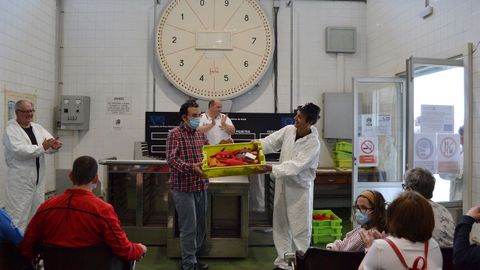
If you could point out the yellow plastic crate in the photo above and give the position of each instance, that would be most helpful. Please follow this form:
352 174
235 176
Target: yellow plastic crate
209 150
342 155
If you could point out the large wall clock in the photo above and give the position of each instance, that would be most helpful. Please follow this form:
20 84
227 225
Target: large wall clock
214 48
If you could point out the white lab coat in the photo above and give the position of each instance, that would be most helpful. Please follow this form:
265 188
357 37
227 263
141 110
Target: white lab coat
24 195
294 179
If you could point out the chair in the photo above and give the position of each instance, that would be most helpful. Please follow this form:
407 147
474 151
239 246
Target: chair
447 254
92 258
10 258
317 259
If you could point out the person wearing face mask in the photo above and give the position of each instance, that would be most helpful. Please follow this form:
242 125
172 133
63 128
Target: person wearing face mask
77 218
370 214
189 187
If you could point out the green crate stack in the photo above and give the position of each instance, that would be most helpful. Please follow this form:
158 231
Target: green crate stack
342 156
326 231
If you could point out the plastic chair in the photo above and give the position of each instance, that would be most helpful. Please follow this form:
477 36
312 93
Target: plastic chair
447 254
318 259
92 258
10 258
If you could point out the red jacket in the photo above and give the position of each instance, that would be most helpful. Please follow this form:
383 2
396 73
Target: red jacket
77 218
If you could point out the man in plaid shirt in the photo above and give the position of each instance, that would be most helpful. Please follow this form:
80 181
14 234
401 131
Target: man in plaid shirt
189 187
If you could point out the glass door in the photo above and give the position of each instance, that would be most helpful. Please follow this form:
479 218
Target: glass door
378 143
435 122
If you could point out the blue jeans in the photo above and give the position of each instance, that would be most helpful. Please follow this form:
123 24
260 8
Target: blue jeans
192 212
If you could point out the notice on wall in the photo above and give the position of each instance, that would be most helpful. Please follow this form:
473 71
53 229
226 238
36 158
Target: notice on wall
437 119
448 153
119 105
424 151
11 98
376 124
368 152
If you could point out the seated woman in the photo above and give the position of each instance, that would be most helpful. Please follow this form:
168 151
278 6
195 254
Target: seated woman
370 214
410 224
423 182
466 255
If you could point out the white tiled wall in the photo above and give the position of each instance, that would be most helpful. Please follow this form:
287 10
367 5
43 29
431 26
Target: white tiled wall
108 52
396 32
27 63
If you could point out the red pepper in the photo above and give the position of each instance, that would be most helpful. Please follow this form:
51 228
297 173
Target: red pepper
231 162
222 154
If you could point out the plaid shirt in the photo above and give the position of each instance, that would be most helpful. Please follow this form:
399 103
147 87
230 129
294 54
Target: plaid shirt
184 148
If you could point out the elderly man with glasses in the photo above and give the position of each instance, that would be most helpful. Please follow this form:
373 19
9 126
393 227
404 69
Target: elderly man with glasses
25 144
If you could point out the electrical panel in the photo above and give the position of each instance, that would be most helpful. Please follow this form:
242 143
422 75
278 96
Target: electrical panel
74 113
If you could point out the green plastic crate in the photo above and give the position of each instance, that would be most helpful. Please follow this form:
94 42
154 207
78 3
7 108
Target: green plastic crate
344 146
326 223
342 155
209 150
324 239
343 163
330 230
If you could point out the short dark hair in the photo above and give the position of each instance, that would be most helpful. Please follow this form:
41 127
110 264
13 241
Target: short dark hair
410 216
311 111
186 105
211 102
420 180
378 217
84 170
460 130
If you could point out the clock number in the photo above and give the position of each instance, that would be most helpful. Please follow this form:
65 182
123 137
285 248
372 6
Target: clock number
253 40
201 78
182 16
182 63
225 77
227 3
174 39
202 3
245 64
246 18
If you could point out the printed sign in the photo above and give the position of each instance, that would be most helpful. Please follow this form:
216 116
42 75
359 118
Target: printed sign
425 151
437 118
448 153
368 152
119 105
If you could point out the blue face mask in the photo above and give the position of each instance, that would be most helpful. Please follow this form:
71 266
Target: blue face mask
361 217
194 123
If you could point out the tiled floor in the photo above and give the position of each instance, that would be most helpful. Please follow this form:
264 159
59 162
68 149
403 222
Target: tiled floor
260 258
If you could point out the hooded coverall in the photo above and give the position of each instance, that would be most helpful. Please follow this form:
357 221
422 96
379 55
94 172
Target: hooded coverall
294 177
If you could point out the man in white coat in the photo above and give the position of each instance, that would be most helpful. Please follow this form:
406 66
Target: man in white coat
25 144
294 177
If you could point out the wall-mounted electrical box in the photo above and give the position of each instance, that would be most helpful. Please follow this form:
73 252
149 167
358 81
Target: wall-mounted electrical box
74 113
341 39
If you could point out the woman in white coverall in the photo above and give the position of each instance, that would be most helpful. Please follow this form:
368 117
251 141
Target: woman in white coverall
294 177
25 160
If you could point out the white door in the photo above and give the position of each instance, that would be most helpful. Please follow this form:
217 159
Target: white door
379 137
436 115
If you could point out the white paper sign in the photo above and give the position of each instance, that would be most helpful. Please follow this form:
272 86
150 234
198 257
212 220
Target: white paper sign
437 119
369 124
119 105
424 151
384 124
448 153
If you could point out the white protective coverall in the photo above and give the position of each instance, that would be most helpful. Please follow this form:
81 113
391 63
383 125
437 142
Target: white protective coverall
294 181
24 195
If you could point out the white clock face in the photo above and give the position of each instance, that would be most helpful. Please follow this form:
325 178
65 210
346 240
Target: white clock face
214 48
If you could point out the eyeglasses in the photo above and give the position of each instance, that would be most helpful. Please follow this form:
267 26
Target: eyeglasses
361 209
29 111
405 187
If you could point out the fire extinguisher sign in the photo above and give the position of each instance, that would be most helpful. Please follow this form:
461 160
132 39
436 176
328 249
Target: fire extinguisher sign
368 152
